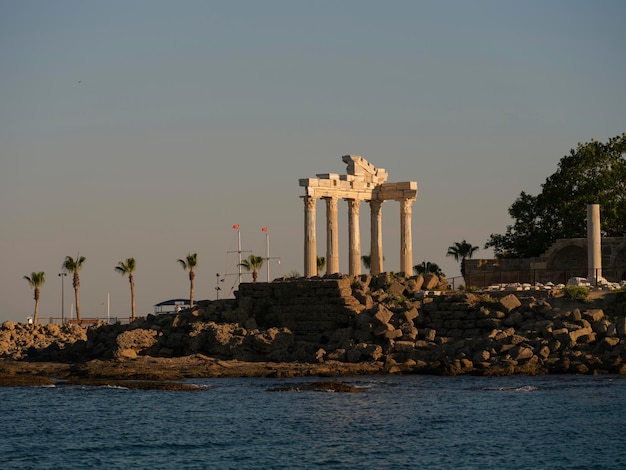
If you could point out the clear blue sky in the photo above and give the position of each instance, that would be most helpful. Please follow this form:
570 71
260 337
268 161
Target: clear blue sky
148 128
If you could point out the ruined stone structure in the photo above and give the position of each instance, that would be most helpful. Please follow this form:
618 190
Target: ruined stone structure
595 258
363 182
386 321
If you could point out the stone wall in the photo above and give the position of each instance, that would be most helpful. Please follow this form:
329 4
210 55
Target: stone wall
306 306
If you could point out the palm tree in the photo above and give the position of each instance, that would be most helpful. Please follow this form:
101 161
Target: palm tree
190 263
461 251
428 267
36 280
126 268
367 261
253 263
321 264
72 265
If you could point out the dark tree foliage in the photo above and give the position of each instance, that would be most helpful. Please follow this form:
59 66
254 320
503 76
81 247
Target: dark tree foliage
593 173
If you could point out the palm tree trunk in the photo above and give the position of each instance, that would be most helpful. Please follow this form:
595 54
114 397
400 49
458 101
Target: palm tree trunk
36 314
76 282
132 296
77 305
192 276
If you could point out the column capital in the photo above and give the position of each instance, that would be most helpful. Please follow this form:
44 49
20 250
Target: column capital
309 202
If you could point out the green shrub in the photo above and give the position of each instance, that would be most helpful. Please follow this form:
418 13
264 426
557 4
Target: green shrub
579 293
468 288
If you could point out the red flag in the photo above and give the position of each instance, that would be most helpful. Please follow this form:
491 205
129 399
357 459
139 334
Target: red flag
236 226
264 229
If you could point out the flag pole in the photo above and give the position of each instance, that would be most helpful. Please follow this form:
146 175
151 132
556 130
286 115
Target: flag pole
267 251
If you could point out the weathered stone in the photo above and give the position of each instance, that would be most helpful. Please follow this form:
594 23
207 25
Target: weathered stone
404 346
481 356
509 302
393 334
383 314
519 353
593 315
431 281
430 334
409 332
383 329
574 335
411 314
396 288
418 282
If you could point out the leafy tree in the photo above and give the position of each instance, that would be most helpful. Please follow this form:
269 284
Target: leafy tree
189 263
593 173
428 267
321 264
253 263
72 265
35 281
126 268
461 251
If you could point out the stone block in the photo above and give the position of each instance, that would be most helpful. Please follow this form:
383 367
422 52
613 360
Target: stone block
383 314
509 302
431 281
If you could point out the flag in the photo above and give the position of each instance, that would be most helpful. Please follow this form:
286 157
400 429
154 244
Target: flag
264 229
236 226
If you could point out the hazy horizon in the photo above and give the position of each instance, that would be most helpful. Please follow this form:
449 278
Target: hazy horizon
148 128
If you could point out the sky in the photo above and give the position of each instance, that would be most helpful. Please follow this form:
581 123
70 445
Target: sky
148 128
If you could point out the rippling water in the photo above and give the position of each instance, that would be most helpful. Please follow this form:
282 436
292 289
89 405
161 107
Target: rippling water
400 422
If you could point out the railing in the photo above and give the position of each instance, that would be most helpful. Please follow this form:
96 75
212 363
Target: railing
88 321
534 276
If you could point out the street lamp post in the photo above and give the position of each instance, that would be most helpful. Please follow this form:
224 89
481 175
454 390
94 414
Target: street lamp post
62 276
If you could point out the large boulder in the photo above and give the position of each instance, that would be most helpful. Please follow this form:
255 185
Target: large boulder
135 342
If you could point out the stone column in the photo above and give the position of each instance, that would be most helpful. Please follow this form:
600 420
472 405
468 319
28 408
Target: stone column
354 238
376 236
406 242
332 236
594 244
310 247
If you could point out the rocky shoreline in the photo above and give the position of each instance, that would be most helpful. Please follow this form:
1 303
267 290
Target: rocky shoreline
331 327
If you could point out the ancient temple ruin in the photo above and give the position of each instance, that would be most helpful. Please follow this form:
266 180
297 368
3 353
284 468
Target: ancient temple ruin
363 182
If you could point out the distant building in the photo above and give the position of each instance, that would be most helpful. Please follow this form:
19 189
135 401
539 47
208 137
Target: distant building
171 306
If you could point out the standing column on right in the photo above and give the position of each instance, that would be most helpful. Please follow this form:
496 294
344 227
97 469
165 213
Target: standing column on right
376 237
594 244
406 242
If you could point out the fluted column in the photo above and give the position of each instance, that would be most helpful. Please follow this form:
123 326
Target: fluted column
332 236
594 243
376 232
310 247
406 242
354 238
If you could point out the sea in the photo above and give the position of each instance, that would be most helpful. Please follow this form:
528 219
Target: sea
397 422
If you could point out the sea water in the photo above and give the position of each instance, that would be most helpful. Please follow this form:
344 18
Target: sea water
518 422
